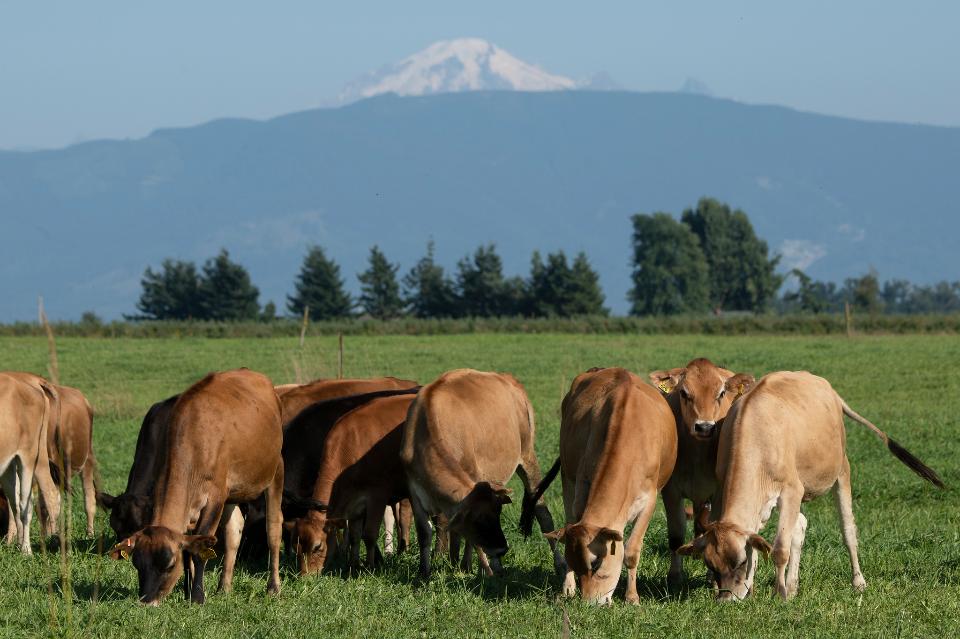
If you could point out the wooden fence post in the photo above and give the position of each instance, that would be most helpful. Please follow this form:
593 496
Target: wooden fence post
303 327
849 319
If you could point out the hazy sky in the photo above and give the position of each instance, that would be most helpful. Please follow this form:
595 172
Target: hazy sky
72 71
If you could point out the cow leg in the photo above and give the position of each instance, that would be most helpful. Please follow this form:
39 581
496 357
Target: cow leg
49 493
789 506
26 512
273 500
424 536
11 487
89 494
355 532
466 559
231 523
490 565
454 546
404 519
796 547
676 532
376 508
634 545
443 535
847 524
207 523
389 520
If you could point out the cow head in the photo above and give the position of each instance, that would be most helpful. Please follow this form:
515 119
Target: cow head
314 538
477 517
730 554
705 393
157 554
128 513
595 555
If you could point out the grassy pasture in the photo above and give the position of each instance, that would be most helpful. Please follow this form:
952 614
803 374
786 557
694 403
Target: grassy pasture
909 531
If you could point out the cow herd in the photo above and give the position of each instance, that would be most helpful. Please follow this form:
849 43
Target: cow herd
235 463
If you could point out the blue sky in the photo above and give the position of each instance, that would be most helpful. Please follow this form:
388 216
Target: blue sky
72 71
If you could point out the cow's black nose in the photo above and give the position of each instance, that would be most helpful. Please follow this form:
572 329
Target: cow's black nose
704 428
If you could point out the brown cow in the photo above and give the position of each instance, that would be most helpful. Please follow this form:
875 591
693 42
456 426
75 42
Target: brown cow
223 448
294 400
26 404
782 444
466 435
618 446
359 474
700 395
74 435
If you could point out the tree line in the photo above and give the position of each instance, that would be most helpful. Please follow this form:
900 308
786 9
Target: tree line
222 289
708 259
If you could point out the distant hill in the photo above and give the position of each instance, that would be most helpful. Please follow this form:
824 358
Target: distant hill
544 170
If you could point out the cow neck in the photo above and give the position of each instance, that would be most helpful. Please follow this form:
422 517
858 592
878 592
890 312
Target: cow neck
454 484
616 482
744 494
178 491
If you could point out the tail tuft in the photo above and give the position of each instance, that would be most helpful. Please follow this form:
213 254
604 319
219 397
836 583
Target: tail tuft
530 500
914 464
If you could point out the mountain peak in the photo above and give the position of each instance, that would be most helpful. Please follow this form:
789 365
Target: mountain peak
463 64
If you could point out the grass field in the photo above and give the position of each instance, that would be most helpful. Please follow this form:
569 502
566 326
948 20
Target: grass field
909 531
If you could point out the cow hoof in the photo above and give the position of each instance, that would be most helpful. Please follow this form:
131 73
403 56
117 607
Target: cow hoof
859 583
633 599
273 589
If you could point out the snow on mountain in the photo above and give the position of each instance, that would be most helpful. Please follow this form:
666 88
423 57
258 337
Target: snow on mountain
465 64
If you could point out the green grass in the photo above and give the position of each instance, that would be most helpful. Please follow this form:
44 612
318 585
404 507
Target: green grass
909 531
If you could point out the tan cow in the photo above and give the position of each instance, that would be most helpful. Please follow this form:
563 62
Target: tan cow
74 435
223 448
618 446
466 435
296 399
781 445
700 395
360 472
26 402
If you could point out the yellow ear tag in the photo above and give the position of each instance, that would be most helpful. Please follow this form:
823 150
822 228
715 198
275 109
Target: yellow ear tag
739 391
124 554
663 386
207 553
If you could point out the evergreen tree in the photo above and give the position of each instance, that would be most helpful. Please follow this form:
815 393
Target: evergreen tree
379 291
556 289
319 286
427 291
170 293
669 268
741 274
586 296
225 291
481 288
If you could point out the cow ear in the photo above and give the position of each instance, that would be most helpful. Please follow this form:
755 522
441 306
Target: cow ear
739 384
760 544
124 549
200 545
694 548
502 495
612 536
667 380
106 500
559 534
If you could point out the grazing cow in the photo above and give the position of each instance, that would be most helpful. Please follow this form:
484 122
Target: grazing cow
360 473
26 402
466 435
700 395
782 444
223 448
132 509
73 434
294 400
618 446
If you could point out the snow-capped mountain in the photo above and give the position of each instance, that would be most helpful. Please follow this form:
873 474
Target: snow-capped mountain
465 64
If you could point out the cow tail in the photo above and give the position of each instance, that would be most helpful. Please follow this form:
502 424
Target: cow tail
530 500
896 449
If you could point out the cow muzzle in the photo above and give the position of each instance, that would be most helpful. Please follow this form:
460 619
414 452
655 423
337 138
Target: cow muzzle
704 428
